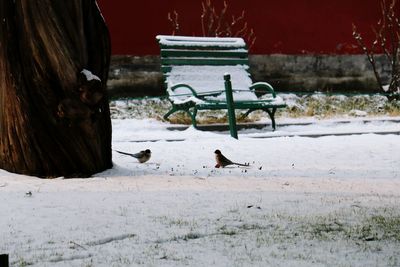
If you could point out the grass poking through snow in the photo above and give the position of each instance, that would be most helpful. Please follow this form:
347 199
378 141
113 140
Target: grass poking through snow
312 105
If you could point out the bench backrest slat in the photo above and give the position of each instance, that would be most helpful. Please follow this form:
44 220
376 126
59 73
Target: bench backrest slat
182 50
204 61
202 47
242 54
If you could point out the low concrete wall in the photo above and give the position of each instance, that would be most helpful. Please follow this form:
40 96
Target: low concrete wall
337 73
132 76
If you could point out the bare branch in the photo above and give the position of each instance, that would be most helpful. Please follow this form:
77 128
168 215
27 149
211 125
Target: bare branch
174 22
368 53
387 38
214 23
221 17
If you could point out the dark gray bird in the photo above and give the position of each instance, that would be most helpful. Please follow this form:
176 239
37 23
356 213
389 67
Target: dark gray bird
141 156
222 161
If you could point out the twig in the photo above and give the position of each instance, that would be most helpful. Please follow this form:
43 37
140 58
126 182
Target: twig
174 22
76 244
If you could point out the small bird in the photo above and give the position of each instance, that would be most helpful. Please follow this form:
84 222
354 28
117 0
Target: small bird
222 161
141 156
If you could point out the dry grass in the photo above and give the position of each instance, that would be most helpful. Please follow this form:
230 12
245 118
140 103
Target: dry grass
212 117
314 105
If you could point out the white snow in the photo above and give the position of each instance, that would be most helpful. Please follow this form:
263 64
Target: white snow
210 80
169 40
89 75
358 113
386 87
329 201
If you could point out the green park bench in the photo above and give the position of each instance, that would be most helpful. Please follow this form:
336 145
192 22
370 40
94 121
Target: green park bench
198 72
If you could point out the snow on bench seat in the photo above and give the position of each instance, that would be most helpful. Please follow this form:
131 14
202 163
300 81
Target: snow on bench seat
209 80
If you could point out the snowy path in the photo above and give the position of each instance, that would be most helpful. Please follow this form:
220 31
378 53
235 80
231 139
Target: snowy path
176 221
330 201
151 130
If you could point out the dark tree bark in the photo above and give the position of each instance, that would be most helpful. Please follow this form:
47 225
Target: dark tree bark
54 114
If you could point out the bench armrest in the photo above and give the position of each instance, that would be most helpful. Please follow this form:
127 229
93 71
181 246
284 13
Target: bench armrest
182 85
264 86
193 91
189 99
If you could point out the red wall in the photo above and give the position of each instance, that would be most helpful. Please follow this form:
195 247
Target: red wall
281 26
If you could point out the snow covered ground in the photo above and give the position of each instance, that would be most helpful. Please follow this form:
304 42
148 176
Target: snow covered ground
328 201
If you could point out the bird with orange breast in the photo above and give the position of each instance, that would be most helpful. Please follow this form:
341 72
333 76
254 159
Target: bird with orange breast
222 161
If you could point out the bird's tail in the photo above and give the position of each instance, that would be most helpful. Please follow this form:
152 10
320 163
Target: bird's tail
124 153
240 164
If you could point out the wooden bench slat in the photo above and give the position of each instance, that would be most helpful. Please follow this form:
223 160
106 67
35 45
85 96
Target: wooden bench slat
212 47
204 61
203 53
238 105
166 70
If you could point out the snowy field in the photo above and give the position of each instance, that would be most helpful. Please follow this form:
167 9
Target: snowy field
328 201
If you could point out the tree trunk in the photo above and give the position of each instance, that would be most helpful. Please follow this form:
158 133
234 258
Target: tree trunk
54 113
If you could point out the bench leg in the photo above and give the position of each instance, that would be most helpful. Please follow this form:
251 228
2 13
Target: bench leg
271 114
192 116
248 112
172 110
